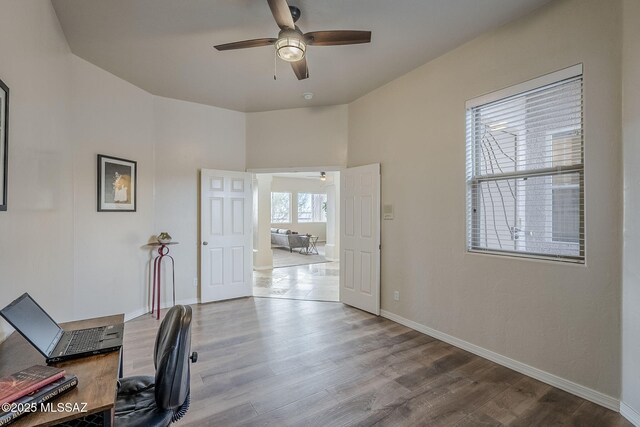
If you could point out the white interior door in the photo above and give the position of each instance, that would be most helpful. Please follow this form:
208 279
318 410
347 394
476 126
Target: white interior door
360 237
225 235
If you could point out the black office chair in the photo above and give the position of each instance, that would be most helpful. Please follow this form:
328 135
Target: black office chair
159 401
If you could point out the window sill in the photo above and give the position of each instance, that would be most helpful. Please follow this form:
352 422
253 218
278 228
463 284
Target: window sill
530 257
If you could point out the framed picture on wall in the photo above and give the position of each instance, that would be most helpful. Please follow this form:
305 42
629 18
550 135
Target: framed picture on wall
4 142
117 188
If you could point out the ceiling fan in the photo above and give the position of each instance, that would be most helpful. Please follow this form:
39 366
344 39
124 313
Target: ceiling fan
291 43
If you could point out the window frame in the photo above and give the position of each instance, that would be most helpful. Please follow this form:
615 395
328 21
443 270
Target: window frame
473 180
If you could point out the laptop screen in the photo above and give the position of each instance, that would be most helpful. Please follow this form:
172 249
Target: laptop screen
32 322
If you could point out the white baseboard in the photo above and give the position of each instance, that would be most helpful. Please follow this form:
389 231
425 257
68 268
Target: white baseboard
546 377
186 301
630 414
263 267
139 312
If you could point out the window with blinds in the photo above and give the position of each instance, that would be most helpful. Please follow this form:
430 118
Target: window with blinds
280 208
311 207
525 169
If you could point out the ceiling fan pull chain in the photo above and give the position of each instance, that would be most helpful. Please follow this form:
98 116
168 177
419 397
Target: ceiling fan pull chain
275 65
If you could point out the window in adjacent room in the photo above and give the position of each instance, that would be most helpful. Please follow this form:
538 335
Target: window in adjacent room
525 169
280 207
312 207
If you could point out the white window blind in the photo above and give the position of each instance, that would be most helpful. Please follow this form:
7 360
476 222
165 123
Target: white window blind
525 171
280 207
311 207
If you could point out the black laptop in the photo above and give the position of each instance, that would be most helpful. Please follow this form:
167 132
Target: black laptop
28 318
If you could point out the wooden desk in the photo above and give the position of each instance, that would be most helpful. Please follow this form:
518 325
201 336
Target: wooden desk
97 376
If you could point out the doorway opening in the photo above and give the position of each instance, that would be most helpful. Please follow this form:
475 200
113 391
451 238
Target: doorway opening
296 235
229 249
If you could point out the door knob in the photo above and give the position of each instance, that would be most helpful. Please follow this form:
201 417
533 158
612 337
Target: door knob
205 243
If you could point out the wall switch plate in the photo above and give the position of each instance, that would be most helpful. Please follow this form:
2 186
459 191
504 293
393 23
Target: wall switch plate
387 212
396 296
195 282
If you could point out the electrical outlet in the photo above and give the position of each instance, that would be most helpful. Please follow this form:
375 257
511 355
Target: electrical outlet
195 282
396 296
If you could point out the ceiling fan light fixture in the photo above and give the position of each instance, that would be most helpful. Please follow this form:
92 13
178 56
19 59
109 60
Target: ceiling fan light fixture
323 176
291 43
290 48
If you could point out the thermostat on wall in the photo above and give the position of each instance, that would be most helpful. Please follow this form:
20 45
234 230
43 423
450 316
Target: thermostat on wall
387 211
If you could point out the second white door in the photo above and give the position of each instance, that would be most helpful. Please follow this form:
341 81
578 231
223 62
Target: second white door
225 235
360 237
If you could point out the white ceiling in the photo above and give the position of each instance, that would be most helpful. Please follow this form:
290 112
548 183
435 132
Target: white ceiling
166 46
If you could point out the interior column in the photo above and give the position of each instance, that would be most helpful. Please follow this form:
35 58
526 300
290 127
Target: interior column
332 247
262 253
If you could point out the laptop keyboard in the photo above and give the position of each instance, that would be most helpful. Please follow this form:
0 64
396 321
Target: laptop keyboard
85 340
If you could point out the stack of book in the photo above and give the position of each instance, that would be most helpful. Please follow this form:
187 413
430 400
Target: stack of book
25 391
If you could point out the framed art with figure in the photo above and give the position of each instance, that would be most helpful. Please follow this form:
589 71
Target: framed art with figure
117 188
4 142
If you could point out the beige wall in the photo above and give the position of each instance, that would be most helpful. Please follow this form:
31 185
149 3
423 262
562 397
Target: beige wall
563 319
631 267
302 137
109 116
64 111
189 137
37 231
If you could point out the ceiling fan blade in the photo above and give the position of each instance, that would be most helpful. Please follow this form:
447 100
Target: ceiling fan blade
245 44
301 69
282 14
337 37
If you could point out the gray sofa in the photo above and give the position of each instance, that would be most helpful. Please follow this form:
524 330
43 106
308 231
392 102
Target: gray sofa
288 239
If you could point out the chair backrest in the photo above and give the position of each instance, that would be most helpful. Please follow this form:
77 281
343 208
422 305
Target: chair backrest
171 358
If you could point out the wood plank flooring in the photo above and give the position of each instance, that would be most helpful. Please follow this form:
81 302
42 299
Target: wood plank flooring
279 362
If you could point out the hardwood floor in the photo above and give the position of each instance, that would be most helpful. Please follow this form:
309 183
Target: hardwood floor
279 362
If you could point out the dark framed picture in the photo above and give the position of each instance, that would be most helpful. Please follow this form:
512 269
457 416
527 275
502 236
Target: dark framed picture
117 188
4 142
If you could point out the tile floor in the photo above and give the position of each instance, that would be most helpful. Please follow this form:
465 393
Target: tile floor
316 282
